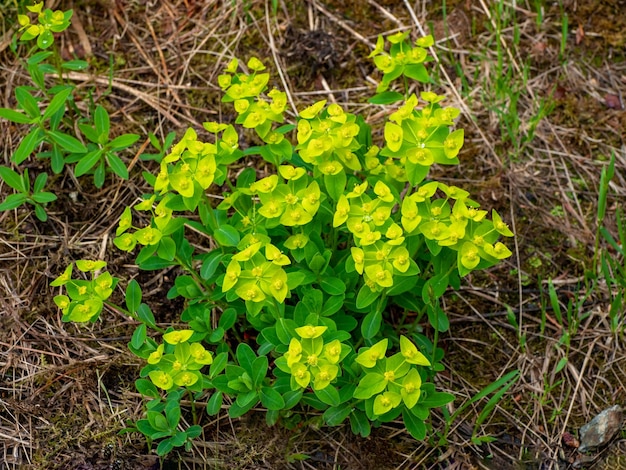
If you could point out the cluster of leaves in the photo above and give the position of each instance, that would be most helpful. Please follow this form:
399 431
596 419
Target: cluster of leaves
333 261
51 113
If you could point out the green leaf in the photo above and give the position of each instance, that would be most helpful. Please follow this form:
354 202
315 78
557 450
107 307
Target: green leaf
559 366
434 288
246 178
271 399
38 57
13 179
44 197
243 404
333 285
67 142
493 401
402 284
89 132
147 388
359 423
259 370
27 145
87 162
386 97
218 365
139 336
437 399
75 65
292 398
210 264
145 315
154 262
417 72
179 438
57 102
246 357
45 39
371 324
285 330
214 405
57 162
12 201
102 124
554 301
133 296
328 395
117 165
437 318
167 248
98 175
605 178
370 385
36 73
40 182
193 431
144 427
414 425
226 235
154 141
172 411
335 185
332 305
228 318
27 102
123 141
14 116
216 335
40 213
366 297
164 447
335 415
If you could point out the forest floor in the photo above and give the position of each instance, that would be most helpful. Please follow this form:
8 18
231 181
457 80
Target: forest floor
542 91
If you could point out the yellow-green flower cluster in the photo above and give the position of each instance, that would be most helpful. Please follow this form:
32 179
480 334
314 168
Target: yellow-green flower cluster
402 58
379 252
189 168
256 271
48 22
460 226
149 235
254 111
327 138
177 361
390 381
290 203
84 299
310 361
415 139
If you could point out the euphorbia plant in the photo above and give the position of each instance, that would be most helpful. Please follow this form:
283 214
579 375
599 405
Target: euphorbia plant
330 260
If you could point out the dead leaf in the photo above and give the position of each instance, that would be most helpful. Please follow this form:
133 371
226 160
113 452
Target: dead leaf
613 102
539 48
580 34
559 92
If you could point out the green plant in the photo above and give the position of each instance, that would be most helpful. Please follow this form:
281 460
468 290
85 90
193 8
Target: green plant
21 183
52 130
333 259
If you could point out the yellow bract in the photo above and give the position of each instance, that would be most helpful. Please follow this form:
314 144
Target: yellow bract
177 336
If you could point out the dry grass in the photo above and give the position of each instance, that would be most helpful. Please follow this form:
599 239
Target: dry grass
66 391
